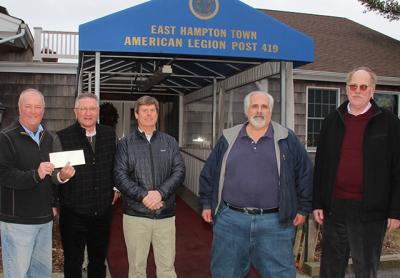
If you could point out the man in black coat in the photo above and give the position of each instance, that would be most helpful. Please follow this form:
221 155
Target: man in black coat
86 199
357 179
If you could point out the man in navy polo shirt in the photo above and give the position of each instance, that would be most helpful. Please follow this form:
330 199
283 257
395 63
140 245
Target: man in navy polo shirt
256 186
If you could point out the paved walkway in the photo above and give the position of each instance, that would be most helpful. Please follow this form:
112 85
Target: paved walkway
61 275
392 273
387 273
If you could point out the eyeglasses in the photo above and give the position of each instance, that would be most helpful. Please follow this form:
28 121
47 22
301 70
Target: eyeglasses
87 109
354 87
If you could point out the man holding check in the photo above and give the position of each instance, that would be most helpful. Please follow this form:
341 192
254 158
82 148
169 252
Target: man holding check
26 191
86 199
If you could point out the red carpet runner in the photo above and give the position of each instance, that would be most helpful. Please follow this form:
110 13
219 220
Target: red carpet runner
193 245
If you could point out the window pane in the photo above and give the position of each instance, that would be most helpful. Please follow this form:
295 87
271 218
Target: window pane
389 102
318 110
318 96
311 110
325 110
325 96
311 96
333 97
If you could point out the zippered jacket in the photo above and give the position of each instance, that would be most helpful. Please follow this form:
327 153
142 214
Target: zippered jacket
24 198
141 166
381 163
294 167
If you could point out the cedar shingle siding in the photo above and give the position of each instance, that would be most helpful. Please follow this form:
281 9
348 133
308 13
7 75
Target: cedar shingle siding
58 89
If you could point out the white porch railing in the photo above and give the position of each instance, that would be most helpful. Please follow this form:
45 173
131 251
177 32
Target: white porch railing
194 162
50 46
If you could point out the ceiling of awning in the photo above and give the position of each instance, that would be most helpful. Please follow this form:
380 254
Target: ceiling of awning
157 74
180 46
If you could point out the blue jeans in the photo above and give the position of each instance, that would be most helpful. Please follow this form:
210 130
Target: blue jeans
241 239
26 250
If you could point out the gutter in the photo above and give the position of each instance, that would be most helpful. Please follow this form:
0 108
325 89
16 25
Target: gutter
312 75
21 34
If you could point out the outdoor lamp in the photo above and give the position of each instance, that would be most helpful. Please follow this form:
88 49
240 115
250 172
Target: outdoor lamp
2 110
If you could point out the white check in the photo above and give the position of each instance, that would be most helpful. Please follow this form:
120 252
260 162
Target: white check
60 159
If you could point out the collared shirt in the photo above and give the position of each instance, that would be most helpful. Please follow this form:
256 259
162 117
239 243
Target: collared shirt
148 136
34 135
251 177
91 137
364 111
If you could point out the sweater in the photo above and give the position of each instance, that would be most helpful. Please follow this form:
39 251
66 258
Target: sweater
381 163
349 177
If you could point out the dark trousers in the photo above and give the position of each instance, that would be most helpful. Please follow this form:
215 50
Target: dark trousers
78 231
117 257
344 233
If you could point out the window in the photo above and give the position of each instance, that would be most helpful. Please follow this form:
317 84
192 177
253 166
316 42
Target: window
320 102
388 100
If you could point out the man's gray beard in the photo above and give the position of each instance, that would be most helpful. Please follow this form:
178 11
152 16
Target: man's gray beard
258 122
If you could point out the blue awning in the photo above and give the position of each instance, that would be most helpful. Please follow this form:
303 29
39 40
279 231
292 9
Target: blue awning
211 28
180 46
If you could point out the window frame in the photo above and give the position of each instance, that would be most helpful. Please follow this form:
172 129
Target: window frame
393 93
338 94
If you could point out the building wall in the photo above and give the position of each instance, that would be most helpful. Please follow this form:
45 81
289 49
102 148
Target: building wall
15 54
58 90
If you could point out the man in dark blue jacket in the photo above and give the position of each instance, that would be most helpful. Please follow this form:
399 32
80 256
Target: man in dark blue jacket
256 186
148 169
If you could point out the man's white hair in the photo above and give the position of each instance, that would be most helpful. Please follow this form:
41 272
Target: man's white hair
246 102
30 90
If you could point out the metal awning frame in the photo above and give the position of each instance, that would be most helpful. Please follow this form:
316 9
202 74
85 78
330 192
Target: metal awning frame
120 73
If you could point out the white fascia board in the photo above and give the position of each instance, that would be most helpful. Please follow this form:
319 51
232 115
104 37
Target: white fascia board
33 67
326 76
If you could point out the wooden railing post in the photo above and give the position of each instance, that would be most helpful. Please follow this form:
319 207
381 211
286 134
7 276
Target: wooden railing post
37 46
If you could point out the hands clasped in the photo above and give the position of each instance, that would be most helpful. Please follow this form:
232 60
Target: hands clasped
153 200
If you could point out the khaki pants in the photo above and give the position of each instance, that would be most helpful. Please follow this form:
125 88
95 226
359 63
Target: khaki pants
139 232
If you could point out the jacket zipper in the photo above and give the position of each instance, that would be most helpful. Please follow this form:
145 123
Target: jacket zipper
41 138
153 187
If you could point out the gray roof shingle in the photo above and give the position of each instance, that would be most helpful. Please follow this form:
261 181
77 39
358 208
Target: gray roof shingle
342 44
